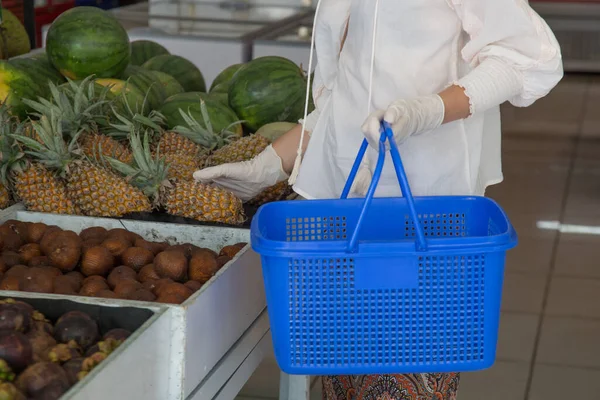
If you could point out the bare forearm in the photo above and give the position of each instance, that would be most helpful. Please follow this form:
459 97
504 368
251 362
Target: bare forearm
287 147
456 104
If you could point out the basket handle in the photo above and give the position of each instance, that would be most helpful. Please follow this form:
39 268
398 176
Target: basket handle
386 134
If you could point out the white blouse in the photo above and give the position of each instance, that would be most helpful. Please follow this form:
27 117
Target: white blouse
422 47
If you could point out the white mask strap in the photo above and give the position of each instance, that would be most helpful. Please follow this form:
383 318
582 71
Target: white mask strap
298 161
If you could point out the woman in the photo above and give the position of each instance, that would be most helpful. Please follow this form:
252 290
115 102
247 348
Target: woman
438 70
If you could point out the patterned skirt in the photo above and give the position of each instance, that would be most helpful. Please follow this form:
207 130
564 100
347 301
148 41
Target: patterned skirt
391 387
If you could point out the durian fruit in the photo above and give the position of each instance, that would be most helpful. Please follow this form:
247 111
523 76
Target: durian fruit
14 40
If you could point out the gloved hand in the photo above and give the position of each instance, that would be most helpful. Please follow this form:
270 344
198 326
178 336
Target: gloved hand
407 117
246 179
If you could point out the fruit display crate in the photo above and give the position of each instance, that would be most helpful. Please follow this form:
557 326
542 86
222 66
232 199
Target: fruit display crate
214 331
114 377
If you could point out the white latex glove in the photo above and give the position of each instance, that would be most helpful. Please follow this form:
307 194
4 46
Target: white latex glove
407 117
246 179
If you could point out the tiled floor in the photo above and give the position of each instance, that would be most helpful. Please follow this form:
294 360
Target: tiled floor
549 346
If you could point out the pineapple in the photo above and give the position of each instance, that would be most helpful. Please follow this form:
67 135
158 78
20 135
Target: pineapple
182 166
81 109
243 149
181 198
276 192
34 185
95 190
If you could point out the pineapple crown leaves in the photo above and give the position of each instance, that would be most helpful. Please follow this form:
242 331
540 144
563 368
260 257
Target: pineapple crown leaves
51 151
79 105
11 156
134 122
205 135
148 171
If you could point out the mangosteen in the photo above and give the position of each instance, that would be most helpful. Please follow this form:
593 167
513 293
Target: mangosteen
77 326
15 349
117 334
14 318
72 368
62 353
6 373
8 391
92 361
41 342
41 377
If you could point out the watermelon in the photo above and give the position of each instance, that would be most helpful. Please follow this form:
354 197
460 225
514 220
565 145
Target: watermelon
126 92
40 70
86 41
275 130
169 84
149 85
186 73
268 89
220 115
143 50
225 75
129 71
16 85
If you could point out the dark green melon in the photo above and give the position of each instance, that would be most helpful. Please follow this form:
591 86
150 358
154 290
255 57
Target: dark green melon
149 85
186 73
220 115
40 70
130 70
169 84
225 75
16 85
266 90
143 50
86 41
128 96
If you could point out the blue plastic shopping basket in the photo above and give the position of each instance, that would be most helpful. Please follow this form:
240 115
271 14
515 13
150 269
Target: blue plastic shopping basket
383 285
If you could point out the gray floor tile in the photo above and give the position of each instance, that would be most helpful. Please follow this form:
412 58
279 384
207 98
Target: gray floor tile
517 334
577 256
570 341
504 381
523 292
574 297
564 383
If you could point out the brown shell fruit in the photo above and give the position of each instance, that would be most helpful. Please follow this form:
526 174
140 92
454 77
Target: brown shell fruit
202 267
125 288
93 233
142 295
159 284
106 294
171 298
185 248
124 234
171 264
11 258
116 245
137 257
3 266
90 288
29 251
175 287
65 251
66 285
10 283
147 273
222 260
154 247
17 270
88 244
97 261
40 261
36 231
11 239
49 235
193 285
37 280
119 274
231 251
77 277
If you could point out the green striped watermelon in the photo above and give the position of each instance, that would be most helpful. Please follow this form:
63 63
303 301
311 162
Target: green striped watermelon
150 86
220 115
169 84
186 73
40 70
86 41
268 89
126 93
225 75
16 85
143 50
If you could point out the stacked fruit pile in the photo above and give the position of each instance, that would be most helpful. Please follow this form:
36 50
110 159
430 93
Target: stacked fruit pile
103 263
42 360
100 126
